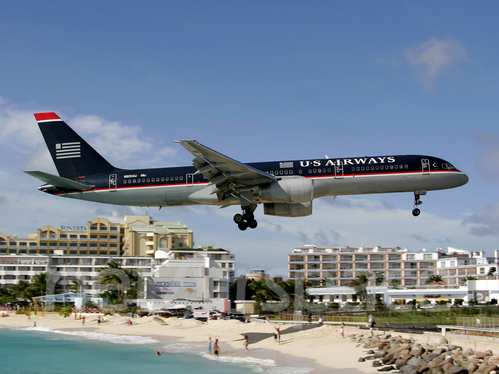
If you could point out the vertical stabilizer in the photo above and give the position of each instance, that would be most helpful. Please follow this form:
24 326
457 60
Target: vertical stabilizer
73 157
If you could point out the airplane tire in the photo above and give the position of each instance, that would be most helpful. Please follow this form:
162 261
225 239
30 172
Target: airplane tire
249 216
238 218
416 212
243 225
252 224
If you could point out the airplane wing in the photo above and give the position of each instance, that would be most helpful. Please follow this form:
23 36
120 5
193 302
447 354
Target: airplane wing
222 171
57 181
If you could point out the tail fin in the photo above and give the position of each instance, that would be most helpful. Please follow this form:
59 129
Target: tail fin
73 157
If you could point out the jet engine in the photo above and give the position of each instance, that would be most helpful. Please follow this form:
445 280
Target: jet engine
288 210
287 190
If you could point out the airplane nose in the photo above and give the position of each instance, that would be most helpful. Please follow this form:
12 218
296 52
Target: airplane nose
463 179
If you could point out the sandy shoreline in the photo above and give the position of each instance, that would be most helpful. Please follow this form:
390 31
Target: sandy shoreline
310 346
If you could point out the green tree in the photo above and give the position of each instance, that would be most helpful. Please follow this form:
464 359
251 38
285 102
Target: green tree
435 279
492 271
6 296
360 285
43 283
22 291
118 283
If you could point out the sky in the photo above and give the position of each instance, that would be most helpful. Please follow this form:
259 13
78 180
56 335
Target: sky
258 81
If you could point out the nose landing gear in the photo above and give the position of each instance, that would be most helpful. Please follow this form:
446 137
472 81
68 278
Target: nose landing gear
416 212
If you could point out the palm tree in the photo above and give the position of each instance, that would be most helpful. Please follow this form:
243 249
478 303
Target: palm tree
77 286
44 283
435 279
118 282
360 284
22 291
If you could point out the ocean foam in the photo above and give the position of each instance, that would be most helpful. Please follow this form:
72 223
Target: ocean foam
259 365
110 338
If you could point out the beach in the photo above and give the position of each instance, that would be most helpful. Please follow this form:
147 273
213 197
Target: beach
316 348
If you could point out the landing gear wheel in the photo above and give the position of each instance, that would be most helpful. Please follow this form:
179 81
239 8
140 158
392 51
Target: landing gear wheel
248 216
238 218
243 225
416 212
252 224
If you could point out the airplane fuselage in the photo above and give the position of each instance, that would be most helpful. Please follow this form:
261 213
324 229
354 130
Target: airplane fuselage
175 186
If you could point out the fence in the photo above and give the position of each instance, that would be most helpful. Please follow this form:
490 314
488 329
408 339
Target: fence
478 322
407 318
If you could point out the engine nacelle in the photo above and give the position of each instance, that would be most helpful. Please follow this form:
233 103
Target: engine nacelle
288 190
288 210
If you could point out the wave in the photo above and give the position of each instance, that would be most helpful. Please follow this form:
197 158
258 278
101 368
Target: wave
109 338
259 365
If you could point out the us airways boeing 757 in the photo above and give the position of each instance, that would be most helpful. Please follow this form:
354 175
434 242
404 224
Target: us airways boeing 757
285 188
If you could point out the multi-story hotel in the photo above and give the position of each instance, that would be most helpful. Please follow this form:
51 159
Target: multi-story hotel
392 266
391 270
161 253
137 236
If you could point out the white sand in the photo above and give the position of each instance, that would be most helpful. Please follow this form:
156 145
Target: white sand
322 347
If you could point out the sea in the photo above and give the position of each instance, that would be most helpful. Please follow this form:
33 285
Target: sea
43 350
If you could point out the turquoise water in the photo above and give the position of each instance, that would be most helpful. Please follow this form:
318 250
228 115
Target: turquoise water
43 350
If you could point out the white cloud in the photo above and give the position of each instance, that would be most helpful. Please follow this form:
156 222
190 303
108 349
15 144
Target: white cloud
488 161
435 57
486 222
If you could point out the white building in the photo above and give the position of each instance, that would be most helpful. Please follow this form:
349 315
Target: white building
394 274
198 277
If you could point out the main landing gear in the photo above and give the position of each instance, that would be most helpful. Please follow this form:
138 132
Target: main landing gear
245 220
416 212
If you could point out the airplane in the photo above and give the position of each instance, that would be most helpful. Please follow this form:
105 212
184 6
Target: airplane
285 188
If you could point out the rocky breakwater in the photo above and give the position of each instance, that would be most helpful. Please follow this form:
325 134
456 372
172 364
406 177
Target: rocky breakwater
409 357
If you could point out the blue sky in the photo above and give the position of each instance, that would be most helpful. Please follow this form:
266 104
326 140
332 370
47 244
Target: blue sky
260 81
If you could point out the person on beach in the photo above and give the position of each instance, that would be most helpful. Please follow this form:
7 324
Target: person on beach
209 345
216 348
371 324
342 330
277 335
246 342
158 353
321 320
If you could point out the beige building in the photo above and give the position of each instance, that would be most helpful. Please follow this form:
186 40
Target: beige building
137 236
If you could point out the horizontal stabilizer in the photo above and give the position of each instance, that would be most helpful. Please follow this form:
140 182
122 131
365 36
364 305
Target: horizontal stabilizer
57 181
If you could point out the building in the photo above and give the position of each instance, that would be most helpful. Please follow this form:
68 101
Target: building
137 236
198 277
160 253
395 274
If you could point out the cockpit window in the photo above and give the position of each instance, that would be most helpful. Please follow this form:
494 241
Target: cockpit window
448 166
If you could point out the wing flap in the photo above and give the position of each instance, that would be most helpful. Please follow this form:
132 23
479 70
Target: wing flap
57 181
218 168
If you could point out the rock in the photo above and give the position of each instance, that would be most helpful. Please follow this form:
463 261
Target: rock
387 368
471 367
417 351
468 352
443 341
377 363
361 359
457 370
380 354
